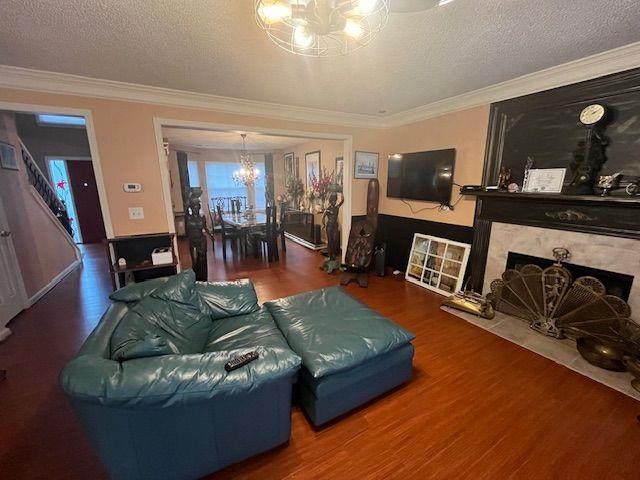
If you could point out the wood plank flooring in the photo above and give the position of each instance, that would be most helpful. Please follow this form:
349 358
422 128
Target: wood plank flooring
478 406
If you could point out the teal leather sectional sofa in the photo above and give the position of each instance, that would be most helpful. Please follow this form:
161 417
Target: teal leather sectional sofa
150 388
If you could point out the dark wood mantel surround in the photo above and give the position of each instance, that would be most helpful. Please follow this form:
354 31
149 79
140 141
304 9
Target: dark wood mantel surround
545 126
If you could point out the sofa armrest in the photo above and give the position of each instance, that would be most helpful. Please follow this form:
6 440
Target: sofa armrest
227 299
169 380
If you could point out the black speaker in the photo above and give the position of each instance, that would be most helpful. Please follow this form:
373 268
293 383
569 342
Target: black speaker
379 259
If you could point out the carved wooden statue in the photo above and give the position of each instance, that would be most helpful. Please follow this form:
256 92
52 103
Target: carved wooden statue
195 226
361 240
587 161
330 224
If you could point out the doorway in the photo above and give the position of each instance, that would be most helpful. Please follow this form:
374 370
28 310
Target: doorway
218 136
76 186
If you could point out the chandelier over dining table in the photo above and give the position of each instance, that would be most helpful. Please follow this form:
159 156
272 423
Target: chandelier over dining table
321 28
247 174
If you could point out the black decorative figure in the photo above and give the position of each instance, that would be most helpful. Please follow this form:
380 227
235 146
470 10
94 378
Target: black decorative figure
361 240
195 226
587 161
330 224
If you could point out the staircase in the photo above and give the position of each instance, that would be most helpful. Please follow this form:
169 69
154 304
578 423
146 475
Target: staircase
45 190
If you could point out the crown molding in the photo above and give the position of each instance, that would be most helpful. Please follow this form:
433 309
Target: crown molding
605 63
611 61
62 83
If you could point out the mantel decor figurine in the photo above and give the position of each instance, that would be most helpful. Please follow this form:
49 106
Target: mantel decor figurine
608 182
195 227
330 224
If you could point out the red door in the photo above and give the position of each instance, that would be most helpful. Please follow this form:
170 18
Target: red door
85 196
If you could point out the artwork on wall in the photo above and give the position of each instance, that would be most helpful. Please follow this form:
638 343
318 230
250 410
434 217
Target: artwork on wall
290 166
8 158
312 165
366 165
339 171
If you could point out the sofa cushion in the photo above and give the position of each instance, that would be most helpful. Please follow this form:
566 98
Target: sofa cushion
226 299
245 332
137 291
333 331
172 313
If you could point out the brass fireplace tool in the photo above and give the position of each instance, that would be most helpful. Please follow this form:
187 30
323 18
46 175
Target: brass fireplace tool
470 302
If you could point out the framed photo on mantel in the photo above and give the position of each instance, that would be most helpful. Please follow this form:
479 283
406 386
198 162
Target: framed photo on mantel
544 180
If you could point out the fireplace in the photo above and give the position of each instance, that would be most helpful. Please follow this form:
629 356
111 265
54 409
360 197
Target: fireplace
618 284
613 260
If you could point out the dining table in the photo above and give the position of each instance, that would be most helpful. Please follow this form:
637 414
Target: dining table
245 225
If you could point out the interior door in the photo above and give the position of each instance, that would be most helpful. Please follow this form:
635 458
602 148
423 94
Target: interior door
86 200
11 297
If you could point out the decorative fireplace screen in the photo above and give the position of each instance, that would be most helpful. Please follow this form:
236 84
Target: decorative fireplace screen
554 304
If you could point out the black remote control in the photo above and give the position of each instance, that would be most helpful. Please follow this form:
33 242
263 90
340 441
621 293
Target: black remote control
240 361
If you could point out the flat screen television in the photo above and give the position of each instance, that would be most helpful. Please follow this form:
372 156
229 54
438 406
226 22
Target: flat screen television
426 176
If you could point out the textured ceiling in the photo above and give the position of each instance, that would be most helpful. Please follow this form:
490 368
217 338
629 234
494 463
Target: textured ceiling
187 137
215 46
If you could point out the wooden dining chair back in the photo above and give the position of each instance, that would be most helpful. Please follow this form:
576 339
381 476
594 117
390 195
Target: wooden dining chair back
268 237
282 227
233 235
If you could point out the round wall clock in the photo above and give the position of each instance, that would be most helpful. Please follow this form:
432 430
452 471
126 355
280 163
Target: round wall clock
592 114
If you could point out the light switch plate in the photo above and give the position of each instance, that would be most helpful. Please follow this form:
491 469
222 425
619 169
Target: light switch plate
136 213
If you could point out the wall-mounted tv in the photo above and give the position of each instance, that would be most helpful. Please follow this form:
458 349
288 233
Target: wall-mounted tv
426 176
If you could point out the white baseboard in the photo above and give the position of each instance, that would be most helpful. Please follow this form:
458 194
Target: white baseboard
54 281
304 243
4 333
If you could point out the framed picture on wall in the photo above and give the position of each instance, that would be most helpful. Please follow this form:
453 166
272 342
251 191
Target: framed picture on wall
312 165
8 159
290 166
366 165
339 171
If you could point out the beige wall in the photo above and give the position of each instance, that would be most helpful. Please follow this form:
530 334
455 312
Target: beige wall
43 251
128 152
43 141
466 131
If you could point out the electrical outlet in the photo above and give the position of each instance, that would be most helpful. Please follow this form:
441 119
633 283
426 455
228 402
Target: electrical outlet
136 213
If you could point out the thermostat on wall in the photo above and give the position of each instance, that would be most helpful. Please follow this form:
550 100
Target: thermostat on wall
132 187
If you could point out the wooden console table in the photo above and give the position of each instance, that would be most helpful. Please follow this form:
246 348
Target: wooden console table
136 250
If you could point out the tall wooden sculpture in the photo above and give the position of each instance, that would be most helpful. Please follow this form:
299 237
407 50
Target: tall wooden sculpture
330 224
195 226
361 240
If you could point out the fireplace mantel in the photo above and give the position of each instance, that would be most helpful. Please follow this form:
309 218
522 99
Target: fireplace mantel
614 216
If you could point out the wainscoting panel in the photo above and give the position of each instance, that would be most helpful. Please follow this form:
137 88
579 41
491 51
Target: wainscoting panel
397 233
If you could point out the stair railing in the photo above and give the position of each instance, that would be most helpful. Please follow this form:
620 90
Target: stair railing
41 184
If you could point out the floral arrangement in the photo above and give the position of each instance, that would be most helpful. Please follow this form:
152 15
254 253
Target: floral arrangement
295 190
320 185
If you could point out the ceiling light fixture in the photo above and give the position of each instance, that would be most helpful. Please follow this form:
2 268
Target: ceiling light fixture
321 28
247 174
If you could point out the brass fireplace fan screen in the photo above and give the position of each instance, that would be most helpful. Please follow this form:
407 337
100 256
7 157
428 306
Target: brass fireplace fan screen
555 305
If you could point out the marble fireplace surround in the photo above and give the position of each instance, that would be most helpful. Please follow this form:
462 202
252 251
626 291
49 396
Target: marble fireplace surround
615 254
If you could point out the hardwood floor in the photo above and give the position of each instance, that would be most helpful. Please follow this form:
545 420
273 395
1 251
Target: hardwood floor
477 407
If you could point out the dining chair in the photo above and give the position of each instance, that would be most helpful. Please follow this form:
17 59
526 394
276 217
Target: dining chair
268 237
234 235
282 227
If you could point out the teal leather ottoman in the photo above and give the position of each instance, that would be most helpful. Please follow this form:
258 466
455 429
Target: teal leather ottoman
350 353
